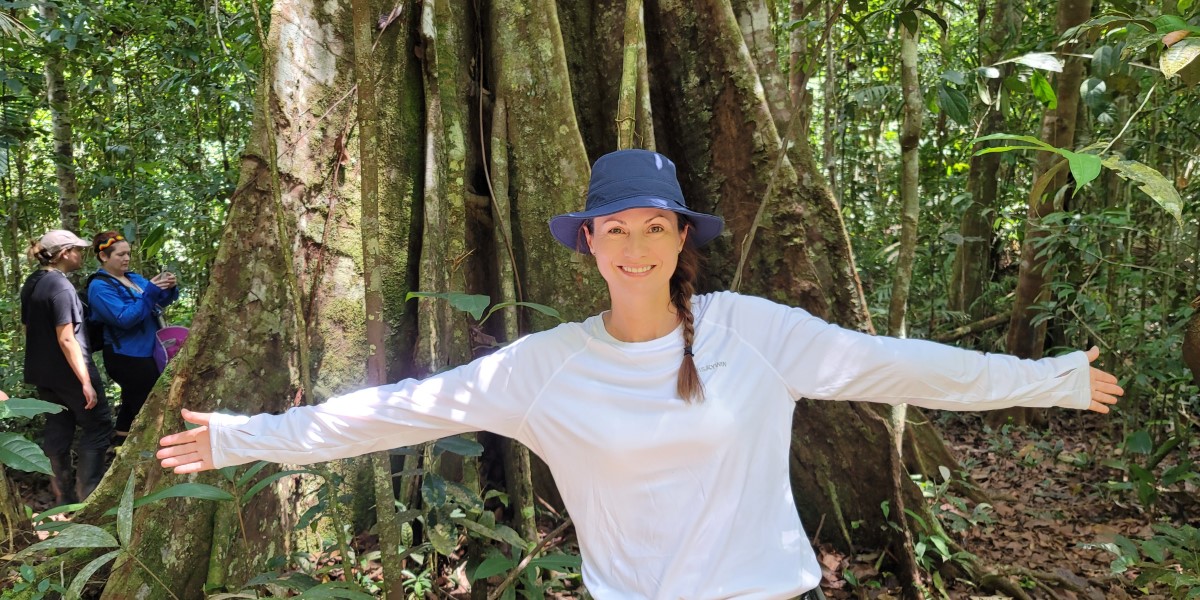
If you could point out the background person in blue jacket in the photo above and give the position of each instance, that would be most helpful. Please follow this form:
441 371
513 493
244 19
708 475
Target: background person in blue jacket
128 305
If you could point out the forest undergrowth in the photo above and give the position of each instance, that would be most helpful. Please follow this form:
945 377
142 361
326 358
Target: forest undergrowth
1055 498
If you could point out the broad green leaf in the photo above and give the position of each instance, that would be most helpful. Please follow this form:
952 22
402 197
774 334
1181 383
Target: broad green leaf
81 580
1139 442
22 454
542 308
442 539
27 407
474 304
491 566
459 445
1037 60
954 103
500 533
78 535
1174 59
1009 136
200 491
1104 61
1043 91
268 480
558 562
1169 23
433 490
955 77
1151 182
1084 167
464 495
125 512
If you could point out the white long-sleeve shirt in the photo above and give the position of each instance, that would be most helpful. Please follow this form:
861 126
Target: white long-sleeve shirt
670 500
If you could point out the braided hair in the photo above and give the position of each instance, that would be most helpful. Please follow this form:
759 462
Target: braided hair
683 285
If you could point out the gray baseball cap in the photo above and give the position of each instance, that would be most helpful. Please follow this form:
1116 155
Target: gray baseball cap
58 239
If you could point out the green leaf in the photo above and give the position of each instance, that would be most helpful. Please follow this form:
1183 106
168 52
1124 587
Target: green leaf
78 535
1037 60
1084 167
27 407
1139 442
22 454
542 308
499 533
250 473
200 491
954 103
268 480
492 565
558 562
1177 57
1151 182
941 23
1043 91
459 445
81 580
1169 23
1019 138
985 94
433 490
335 590
441 538
909 20
474 304
955 77
1104 61
125 512
995 149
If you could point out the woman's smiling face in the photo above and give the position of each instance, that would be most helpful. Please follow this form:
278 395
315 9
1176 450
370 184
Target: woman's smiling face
637 249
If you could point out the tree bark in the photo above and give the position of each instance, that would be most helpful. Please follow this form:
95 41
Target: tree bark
60 123
1025 339
910 202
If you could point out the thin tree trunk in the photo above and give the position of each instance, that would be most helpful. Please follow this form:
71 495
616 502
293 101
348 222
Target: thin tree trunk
910 202
60 123
1025 339
973 263
829 130
365 75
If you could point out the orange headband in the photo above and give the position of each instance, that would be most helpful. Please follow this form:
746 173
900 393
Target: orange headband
111 241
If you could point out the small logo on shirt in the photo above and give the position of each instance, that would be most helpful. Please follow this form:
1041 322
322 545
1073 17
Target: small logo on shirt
716 365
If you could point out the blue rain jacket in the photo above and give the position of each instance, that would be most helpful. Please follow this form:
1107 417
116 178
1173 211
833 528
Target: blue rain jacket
128 315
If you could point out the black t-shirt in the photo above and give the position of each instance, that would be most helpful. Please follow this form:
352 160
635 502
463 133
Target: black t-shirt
48 300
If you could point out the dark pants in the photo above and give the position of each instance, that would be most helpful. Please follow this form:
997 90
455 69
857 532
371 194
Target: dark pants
136 376
95 422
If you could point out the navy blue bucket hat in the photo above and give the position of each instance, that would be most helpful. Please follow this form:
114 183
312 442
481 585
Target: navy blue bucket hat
632 179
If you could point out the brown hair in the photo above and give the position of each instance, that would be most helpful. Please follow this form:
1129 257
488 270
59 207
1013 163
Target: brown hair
683 285
103 241
35 251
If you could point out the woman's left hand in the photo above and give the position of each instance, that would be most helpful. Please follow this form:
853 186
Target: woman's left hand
164 280
1104 385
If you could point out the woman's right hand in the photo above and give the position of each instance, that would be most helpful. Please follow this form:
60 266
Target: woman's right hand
188 451
164 280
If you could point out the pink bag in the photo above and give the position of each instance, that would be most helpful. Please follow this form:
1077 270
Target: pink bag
170 339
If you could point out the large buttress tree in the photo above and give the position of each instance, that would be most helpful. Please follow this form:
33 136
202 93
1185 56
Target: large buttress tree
489 115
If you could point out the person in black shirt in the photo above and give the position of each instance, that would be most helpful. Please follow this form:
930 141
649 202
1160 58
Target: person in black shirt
59 363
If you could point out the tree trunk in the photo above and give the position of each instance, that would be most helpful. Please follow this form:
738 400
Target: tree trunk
294 238
973 262
910 202
1025 339
60 122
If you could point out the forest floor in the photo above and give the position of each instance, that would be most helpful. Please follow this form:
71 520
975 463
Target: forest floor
1050 494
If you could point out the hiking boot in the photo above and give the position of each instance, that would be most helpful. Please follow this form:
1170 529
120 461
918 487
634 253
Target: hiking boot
62 479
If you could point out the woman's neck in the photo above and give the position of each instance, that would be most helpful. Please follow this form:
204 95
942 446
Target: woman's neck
640 319
115 272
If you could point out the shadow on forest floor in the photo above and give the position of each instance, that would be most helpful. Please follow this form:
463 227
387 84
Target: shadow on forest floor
1050 494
